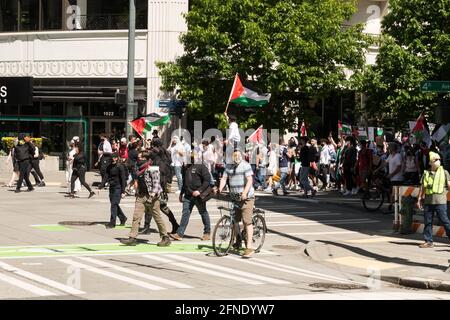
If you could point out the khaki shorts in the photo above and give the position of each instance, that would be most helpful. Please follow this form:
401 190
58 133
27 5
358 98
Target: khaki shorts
246 212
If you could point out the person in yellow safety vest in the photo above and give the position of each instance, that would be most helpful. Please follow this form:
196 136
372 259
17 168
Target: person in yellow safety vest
433 198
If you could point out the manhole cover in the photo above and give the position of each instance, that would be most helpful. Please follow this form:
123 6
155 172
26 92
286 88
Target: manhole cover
286 247
341 286
77 223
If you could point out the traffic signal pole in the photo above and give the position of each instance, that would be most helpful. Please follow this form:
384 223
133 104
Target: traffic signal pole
131 105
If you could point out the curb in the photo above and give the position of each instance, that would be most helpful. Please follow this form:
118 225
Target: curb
419 283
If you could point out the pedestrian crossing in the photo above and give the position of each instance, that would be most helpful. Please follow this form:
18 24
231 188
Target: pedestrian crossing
149 274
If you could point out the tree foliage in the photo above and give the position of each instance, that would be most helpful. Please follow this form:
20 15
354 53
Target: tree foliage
290 48
415 46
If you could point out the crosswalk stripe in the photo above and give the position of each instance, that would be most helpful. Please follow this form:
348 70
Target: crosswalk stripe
37 278
111 275
137 273
319 223
283 268
26 286
313 233
228 270
201 270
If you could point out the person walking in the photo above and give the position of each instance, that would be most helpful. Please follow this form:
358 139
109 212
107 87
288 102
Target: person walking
348 164
304 155
324 164
104 151
272 168
37 157
433 198
15 164
79 171
284 169
364 166
69 167
148 191
117 180
196 180
177 153
23 154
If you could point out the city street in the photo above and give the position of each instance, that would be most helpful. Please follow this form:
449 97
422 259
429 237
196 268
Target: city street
53 247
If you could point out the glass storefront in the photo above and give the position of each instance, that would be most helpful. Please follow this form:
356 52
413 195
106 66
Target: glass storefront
58 122
37 15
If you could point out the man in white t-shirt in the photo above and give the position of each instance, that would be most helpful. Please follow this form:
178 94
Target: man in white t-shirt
177 152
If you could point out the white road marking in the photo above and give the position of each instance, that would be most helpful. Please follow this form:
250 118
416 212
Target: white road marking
137 273
28 287
275 224
202 270
227 270
37 278
312 233
293 270
111 275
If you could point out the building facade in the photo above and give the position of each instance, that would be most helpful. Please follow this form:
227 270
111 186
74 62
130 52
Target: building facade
76 51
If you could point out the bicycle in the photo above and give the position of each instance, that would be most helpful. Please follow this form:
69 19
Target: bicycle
379 192
227 229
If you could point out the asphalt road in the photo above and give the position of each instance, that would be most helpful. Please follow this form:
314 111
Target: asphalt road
40 259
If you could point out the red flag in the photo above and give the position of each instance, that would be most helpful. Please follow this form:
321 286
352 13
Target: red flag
303 132
257 136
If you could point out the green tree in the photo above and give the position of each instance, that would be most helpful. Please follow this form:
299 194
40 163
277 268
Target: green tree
415 46
293 49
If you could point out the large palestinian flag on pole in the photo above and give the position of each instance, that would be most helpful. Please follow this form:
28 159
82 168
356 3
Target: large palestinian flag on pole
245 96
145 124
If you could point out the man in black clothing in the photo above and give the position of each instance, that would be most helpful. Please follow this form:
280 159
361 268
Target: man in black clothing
304 155
23 154
196 179
117 179
37 173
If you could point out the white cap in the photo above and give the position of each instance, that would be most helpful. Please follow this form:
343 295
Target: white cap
123 140
76 138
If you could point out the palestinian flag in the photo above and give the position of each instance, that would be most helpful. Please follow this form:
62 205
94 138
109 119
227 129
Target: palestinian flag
245 96
420 130
145 124
257 136
344 129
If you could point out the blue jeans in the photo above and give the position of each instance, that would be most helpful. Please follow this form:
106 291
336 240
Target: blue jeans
188 205
179 177
304 172
261 177
115 195
428 214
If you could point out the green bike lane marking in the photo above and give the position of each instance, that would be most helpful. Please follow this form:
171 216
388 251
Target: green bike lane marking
99 249
51 227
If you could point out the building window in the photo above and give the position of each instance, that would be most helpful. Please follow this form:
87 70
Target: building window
9 110
29 15
51 14
52 109
8 15
77 109
33 110
30 127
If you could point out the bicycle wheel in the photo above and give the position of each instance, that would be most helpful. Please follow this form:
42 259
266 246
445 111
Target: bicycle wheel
373 200
259 231
223 235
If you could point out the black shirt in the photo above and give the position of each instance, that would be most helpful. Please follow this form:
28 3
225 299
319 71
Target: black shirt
24 151
304 156
196 177
79 161
116 176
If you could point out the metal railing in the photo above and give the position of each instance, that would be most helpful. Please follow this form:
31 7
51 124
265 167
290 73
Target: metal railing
107 22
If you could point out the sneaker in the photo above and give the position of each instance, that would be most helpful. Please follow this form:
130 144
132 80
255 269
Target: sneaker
268 190
42 184
206 237
91 194
347 193
175 236
110 226
354 192
165 242
275 193
248 253
122 223
129 242
426 245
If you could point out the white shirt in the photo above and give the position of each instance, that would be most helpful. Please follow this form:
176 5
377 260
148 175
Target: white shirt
177 160
273 161
325 156
395 161
233 132
187 152
107 147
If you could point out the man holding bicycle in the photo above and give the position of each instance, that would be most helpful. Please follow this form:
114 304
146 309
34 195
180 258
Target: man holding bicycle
240 181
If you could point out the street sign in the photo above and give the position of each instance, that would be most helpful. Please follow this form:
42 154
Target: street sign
166 104
435 86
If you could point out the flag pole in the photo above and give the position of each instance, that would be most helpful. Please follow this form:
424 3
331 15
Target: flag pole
231 93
